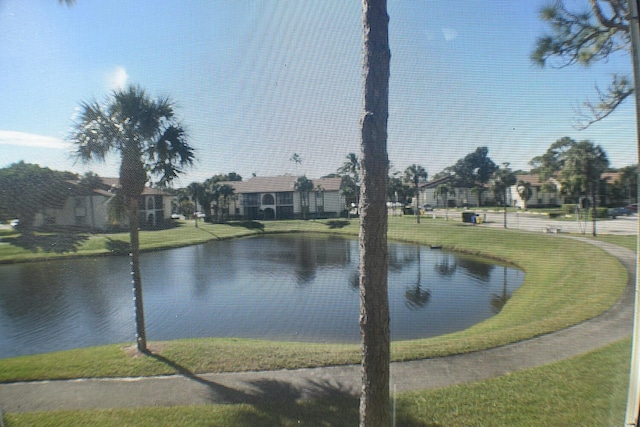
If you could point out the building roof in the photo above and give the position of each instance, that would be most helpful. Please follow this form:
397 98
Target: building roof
280 184
611 176
435 182
110 184
148 191
533 179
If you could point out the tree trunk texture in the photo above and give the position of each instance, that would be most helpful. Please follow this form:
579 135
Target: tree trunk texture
374 304
136 278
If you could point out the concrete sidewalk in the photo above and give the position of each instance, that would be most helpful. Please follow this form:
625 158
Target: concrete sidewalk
257 387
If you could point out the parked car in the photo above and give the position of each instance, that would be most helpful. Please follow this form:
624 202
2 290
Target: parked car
200 215
14 222
427 208
616 212
633 207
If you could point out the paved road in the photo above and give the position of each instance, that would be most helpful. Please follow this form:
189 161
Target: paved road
255 387
624 225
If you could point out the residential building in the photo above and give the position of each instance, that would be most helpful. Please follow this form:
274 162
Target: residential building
274 197
459 197
541 195
89 207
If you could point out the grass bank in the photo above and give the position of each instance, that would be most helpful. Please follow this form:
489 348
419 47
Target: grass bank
629 242
589 390
561 288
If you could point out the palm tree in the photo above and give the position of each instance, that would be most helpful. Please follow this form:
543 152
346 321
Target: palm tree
351 167
350 186
443 190
297 159
501 180
414 174
226 191
303 185
349 191
197 192
150 142
211 199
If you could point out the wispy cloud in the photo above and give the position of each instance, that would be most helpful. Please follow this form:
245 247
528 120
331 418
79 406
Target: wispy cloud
449 34
23 139
117 78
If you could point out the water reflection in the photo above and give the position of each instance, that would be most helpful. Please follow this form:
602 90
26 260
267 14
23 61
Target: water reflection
478 270
446 264
293 287
415 295
500 300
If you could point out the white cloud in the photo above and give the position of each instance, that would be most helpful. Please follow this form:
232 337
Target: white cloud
449 33
117 78
23 139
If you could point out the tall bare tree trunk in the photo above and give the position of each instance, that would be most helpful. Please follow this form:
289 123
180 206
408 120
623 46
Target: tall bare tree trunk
374 304
594 212
505 208
136 278
417 204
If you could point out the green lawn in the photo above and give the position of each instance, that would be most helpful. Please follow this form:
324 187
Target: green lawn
558 291
629 242
589 390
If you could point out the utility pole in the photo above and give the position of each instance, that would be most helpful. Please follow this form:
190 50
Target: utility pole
633 402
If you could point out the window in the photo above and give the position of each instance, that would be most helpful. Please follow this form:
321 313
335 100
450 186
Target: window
285 198
251 199
284 212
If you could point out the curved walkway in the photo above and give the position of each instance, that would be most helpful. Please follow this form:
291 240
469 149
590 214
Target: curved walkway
256 387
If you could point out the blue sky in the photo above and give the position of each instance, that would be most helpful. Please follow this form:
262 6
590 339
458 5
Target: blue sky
256 81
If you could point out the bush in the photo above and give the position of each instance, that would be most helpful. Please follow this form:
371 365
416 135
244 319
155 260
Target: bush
601 212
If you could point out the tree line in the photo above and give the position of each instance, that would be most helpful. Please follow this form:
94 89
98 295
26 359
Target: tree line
211 197
573 169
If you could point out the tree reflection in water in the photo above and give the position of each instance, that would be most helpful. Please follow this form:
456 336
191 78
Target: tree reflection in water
478 270
416 297
306 261
499 301
445 267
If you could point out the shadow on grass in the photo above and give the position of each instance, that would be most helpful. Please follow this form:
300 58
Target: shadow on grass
277 402
337 223
118 247
250 225
56 243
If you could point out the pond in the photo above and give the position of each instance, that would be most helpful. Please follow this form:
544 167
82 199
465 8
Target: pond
287 287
